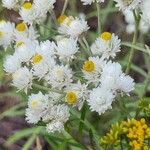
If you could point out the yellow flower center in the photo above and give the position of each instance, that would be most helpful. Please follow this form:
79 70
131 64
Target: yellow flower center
71 98
1 34
2 22
18 44
61 19
89 66
127 2
106 36
21 27
37 58
34 104
27 5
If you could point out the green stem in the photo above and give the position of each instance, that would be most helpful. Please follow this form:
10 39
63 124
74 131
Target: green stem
64 7
131 55
83 114
147 82
47 89
98 17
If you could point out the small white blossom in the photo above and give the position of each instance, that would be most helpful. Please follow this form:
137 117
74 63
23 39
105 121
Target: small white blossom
73 27
6 33
100 100
37 105
22 79
107 45
66 48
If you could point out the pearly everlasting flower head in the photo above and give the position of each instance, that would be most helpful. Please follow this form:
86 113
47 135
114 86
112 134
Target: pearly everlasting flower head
56 115
60 76
92 69
112 78
100 100
22 79
127 4
146 12
11 63
6 33
107 45
66 48
24 33
71 26
77 93
37 104
89 2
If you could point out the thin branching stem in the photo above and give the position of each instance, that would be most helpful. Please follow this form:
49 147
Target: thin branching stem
131 55
64 7
98 17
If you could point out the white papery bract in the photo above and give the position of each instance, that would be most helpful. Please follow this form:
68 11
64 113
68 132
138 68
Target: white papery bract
66 48
100 100
37 105
92 73
113 79
22 79
146 12
58 114
89 2
6 33
73 27
127 4
10 4
60 76
11 63
106 48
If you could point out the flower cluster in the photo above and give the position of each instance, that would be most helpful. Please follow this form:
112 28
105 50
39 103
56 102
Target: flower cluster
70 72
137 131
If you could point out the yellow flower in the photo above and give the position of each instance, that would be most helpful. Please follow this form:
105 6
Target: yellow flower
71 98
37 58
89 66
106 36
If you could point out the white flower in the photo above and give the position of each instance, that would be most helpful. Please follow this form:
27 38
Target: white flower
146 12
100 100
25 50
88 2
130 28
42 61
126 84
27 13
113 79
54 126
92 69
22 79
10 4
6 33
72 26
127 4
58 114
107 45
11 64
60 76
66 48
43 6
77 93
24 33
37 105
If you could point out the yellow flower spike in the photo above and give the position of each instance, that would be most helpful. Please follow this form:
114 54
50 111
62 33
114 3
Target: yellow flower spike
37 58
61 19
106 36
89 66
71 98
21 27
27 5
